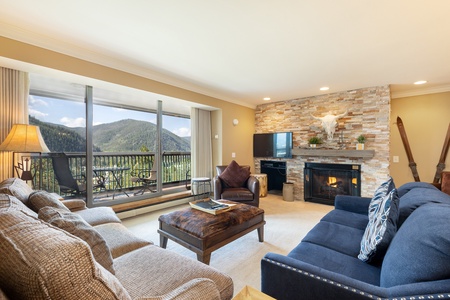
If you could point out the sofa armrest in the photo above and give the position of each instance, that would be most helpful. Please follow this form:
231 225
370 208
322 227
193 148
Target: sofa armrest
74 204
283 277
217 185
354 204
199 289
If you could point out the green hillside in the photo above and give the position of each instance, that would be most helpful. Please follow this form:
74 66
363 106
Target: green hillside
120 136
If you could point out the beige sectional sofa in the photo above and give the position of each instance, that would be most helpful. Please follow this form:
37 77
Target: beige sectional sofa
58 249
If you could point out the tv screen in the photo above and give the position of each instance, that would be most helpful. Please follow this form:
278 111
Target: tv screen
276 145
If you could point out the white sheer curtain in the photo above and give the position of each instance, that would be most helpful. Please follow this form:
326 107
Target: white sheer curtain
201 146
14 91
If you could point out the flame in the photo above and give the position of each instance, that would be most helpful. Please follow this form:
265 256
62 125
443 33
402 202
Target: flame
332 180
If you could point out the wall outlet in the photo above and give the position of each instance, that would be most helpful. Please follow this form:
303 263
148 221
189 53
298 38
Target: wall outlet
395 159
233 155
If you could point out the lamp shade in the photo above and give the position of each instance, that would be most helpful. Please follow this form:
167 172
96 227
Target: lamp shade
24 138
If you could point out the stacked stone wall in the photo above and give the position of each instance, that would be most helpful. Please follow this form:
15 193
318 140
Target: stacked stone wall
367 112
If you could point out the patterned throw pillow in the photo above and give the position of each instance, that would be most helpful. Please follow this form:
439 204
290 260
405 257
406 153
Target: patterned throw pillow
75 225
235 175
381 229
380 193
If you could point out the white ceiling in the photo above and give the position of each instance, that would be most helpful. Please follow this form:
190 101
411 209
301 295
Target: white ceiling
244 50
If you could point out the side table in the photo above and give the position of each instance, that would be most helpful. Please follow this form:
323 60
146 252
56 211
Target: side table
262 178
201 187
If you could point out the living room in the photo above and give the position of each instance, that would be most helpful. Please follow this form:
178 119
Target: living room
369 109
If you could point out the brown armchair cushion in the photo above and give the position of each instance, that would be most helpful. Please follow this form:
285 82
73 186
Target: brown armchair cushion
235 175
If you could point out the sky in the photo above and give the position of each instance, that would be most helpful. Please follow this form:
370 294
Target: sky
72 114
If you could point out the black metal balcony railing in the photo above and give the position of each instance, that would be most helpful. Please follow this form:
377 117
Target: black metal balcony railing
175 167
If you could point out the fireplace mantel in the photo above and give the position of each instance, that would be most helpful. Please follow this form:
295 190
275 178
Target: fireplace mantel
334 153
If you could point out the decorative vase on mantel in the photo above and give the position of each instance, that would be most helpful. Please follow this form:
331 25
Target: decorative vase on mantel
359 146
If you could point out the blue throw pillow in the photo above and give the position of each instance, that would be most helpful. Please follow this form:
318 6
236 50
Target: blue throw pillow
381 229
420 250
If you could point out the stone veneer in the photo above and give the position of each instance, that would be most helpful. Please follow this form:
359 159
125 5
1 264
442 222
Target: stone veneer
368 114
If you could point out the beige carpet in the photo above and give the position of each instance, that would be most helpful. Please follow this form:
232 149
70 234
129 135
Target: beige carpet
286 224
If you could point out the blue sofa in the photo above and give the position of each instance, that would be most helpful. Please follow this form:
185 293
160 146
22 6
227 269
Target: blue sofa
325 264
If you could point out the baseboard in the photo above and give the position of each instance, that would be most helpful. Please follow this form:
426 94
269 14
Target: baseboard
142 210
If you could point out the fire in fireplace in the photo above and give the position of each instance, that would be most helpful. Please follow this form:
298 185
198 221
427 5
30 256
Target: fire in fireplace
322 182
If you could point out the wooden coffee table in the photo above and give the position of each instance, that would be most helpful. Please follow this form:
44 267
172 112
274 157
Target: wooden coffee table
204 233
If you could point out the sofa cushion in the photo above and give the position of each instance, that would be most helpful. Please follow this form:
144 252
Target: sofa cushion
381 229
417 197
234 175
347 218
16 187
405 188
119 239
40 199
98 215
340 238
39 261
74 224
9 203
420 250
157 266
336 261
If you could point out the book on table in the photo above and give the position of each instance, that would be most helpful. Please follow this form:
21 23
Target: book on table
211 206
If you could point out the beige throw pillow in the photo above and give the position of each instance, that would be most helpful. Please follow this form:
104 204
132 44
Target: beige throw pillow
40 199
39 261
16 187
75 225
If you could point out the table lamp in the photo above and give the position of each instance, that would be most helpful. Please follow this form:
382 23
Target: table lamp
24 138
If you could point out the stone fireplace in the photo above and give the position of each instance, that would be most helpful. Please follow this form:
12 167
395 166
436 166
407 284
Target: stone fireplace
323 182
368 113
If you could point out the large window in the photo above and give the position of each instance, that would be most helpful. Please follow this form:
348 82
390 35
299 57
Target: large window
124 135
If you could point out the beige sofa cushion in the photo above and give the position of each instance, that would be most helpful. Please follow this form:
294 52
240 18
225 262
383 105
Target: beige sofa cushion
119 239
74 224
16 187
40 199
98 215
10 203
157 266
39 261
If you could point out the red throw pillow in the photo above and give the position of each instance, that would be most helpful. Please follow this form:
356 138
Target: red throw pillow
235 175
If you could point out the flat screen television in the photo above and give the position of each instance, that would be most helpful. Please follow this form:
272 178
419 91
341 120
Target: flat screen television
276 145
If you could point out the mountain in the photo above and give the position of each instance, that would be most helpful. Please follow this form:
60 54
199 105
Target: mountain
120 136
59 138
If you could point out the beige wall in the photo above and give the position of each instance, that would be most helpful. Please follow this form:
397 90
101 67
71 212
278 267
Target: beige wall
237 139
426 119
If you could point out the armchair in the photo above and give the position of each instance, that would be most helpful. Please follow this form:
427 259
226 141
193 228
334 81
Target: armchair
246 192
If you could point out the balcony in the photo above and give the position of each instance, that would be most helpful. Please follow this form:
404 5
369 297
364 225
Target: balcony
175 174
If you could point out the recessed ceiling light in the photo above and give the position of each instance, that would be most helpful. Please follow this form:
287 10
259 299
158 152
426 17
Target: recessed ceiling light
266 98
324 88
420 82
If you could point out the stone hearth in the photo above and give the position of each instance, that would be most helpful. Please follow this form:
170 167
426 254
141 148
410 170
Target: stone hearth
368 112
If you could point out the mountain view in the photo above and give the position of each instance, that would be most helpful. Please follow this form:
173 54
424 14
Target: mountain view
120 136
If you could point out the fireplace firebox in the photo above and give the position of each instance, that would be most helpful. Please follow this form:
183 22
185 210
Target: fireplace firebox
322 182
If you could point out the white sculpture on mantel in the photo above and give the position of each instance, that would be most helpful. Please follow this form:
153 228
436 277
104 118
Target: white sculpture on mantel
329 123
